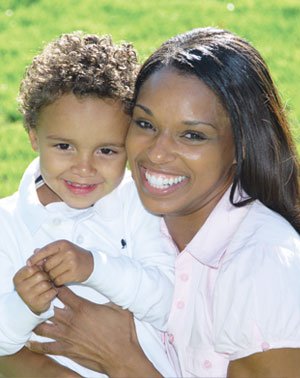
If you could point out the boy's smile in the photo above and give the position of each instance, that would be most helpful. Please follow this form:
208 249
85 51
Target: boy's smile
81 143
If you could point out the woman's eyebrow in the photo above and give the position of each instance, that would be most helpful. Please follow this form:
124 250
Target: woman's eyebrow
144 108
197 122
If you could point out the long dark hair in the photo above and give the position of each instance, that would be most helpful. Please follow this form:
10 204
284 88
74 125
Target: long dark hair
267 165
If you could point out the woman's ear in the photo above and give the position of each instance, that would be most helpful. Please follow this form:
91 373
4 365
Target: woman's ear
33 139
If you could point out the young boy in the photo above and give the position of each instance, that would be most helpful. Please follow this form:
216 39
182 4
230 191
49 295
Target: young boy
75 99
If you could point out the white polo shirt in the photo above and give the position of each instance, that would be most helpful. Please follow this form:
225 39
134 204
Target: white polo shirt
126 244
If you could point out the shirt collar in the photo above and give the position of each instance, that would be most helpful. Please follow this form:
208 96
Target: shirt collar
33 213
211 241
108 207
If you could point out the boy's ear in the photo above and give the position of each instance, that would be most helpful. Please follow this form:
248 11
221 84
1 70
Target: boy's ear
33 139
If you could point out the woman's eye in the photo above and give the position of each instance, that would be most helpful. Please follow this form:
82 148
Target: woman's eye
63 146
193 135
143 124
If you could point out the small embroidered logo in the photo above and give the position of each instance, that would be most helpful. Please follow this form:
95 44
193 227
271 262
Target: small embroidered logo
123 243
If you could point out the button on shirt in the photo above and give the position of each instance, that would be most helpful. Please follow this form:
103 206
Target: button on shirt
144 269
237 290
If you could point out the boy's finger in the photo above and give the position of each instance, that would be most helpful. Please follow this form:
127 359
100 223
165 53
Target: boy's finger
42 254
59 275
48 295
38 282
26 272
53 262
62 278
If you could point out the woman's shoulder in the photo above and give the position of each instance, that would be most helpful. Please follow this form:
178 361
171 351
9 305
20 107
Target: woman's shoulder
258 286
265 248
263 231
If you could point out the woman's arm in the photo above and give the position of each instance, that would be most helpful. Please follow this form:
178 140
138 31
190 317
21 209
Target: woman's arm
29 364
100 337
283 362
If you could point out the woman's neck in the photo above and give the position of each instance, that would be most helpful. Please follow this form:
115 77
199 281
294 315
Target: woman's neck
183 227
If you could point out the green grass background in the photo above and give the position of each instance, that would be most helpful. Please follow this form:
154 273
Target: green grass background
26 25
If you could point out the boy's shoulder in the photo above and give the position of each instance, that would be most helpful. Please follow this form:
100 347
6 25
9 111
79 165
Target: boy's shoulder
127 189
10 220
8 205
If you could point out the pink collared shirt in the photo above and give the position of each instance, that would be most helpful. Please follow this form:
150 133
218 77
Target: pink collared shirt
237 290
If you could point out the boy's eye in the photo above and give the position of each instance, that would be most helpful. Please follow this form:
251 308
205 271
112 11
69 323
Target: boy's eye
107 151
63 146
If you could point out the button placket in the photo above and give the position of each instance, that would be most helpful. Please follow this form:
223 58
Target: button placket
56 221
207 364
80 239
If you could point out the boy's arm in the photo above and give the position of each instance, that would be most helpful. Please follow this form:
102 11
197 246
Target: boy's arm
29 364
34 287
142 284
140 280
16 319
108 346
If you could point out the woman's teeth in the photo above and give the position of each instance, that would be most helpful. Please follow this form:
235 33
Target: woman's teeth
161 182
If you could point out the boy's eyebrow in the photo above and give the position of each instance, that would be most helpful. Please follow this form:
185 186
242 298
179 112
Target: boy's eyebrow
68 140
54 137
195 122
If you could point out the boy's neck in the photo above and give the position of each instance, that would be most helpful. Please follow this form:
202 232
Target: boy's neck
46 195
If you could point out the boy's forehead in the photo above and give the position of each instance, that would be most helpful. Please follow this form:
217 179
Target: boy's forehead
87 117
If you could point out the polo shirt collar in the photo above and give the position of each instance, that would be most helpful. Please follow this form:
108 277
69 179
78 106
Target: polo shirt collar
108 207
211 241
33 213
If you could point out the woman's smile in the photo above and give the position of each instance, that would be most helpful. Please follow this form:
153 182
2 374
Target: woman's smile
161 183
180 145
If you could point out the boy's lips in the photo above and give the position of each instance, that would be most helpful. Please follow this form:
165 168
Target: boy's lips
78 188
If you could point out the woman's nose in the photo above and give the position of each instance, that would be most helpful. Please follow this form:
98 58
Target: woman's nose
161 150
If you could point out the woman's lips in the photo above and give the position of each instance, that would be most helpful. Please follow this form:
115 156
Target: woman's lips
162 183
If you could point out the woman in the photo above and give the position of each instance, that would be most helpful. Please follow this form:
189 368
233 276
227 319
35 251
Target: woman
210 151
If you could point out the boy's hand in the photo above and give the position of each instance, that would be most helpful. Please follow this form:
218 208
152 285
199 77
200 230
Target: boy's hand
64 261
34 287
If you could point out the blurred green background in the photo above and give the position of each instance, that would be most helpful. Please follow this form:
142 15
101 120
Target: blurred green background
26 25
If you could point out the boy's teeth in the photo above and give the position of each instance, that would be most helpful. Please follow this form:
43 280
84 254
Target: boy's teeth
78 185
161 182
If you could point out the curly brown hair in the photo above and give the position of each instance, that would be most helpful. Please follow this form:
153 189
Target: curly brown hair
78 63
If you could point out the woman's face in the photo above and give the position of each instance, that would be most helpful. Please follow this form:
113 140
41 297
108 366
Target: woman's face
180 145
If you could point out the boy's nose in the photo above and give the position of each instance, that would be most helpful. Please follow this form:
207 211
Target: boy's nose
84 167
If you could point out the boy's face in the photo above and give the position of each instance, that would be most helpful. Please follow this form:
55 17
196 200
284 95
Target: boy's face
81 143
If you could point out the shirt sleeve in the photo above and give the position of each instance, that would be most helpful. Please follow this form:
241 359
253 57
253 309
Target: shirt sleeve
257 300
16 320
142 279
